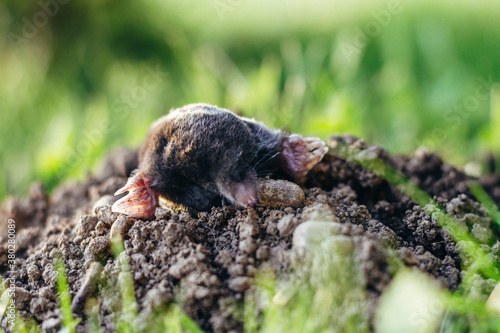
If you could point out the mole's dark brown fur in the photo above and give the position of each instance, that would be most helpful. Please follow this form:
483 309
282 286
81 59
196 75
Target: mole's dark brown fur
201 155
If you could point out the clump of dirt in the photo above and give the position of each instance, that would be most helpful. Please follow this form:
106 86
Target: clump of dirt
211 260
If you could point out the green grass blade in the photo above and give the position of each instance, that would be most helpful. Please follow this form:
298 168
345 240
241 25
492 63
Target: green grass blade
92 313
250 323
177 321
186 322
483 197
127 321
69 323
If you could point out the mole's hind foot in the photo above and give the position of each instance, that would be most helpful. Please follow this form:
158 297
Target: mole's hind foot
299 154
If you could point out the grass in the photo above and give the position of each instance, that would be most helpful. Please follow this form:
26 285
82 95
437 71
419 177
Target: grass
69 323
483 197
79 86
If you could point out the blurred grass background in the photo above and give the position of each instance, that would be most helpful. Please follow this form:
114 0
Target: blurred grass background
77 79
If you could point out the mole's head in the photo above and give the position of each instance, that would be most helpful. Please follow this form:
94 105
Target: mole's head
236 180
196 156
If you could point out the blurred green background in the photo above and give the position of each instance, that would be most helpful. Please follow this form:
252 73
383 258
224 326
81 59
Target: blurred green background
78 78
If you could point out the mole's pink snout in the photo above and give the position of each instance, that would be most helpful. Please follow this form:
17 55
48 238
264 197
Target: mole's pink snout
141 200
244 194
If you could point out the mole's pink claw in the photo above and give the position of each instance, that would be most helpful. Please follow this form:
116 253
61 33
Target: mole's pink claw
299 154
141 200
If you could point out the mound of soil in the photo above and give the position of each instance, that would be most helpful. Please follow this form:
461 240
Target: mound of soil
214 257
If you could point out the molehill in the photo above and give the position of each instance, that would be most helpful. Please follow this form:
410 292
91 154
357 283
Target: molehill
216 255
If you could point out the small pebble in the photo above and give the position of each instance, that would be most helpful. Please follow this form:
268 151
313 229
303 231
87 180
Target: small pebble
240 283
248 228
120 227
262 252
105 200
248 245
287 224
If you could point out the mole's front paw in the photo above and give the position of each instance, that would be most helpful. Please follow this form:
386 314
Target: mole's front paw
141 200
299 154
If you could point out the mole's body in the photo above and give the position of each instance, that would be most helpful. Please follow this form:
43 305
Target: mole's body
199 155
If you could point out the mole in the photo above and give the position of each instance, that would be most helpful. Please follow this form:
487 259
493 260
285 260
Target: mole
201 156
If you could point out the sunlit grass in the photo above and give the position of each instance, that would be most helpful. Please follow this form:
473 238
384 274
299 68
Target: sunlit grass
63 97
486 201
63 292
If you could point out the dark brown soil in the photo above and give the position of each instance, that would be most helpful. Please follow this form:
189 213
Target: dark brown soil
213 258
